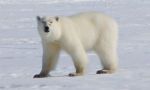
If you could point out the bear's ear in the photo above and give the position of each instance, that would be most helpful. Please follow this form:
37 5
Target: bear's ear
38 18
57 18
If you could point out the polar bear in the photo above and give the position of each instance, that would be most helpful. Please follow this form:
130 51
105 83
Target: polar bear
77 34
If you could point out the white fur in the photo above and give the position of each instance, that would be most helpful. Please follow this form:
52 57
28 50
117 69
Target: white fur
77 34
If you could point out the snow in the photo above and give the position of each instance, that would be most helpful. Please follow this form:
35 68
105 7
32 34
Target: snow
40 1
21 51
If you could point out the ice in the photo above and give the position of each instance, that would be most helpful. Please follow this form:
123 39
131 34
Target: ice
21 51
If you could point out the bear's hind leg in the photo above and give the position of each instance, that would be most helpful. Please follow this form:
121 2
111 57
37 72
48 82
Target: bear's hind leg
108 60
106 49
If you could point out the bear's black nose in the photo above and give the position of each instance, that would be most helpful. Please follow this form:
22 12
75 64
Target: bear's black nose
46 29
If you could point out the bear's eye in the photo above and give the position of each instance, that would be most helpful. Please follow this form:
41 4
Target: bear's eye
49 23
46 29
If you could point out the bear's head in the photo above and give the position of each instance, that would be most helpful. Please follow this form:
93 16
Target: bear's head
49 28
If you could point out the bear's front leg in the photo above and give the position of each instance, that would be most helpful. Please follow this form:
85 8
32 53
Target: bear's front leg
79 57
47 65
50 58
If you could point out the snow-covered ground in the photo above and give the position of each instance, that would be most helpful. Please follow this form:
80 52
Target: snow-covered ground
20 47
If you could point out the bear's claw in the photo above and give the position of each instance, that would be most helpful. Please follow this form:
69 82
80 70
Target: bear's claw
72 74
75 74
39 76
101 72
